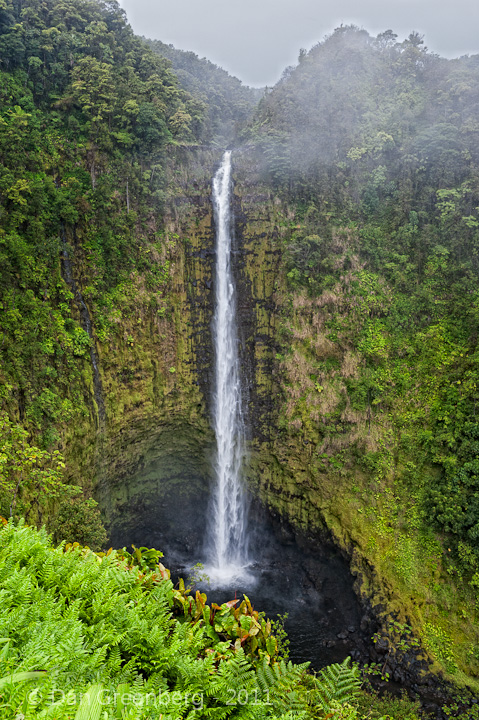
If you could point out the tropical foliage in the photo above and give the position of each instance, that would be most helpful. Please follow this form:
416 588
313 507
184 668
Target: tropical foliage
228 103
84 632
368 149
372 143
87 114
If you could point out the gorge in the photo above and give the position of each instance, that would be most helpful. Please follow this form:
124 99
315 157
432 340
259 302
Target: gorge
157 504
352 213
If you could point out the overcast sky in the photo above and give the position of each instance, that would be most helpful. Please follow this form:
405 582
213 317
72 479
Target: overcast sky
256 39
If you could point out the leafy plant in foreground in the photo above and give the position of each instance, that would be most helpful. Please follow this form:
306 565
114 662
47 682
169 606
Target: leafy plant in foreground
86 623
338 683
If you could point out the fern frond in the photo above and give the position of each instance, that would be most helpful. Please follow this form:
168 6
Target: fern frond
339 682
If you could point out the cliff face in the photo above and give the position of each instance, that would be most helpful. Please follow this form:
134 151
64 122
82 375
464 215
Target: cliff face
333 467
311 449
151 455
149 460
146 453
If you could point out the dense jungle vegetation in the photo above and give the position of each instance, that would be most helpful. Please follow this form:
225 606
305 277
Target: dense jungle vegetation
369 150
229 103
375 142
90 119
372 144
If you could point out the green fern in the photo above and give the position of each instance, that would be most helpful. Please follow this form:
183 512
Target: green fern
281 685
338 683
93 621
280 673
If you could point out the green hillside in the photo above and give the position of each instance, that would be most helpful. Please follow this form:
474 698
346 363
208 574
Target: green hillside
229 104
90 120
374 145
370 146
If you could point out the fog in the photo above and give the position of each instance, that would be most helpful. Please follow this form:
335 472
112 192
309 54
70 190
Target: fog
256 39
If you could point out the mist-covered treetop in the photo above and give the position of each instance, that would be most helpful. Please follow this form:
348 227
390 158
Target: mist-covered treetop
354 98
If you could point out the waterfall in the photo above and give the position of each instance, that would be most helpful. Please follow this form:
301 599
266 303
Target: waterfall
227 540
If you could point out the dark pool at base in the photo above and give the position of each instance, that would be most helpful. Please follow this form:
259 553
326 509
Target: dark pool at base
312 629
304 575
308 581
300 574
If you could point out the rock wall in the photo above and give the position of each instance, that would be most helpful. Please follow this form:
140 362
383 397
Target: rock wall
149 462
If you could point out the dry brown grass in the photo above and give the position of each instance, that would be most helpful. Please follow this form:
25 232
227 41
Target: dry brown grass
299 369
356 417
323 347
308 325
328 298
317 321
350 365
301 332
333 444
301 301
329 399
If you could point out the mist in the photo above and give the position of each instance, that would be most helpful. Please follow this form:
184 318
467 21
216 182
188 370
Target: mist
368 109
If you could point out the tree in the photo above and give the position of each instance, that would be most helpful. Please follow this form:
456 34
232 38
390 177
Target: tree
26 471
